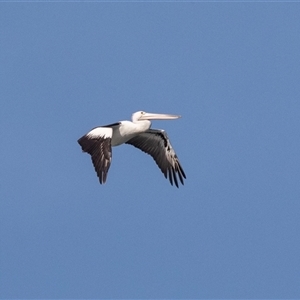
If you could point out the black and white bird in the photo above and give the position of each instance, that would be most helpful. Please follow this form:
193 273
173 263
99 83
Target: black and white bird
155 142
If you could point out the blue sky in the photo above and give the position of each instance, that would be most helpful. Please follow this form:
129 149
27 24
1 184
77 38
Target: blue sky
231 70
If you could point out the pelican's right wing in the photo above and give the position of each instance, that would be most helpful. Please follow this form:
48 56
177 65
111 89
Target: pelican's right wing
156 143
97 143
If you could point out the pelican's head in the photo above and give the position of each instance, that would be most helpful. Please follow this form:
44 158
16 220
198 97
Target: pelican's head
141 115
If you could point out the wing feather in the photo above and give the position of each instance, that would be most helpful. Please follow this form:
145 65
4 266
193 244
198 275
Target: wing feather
97 143
156 143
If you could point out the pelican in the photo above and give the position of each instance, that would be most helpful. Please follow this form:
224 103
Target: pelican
155 142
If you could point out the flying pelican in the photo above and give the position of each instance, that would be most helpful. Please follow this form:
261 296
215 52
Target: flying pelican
155 142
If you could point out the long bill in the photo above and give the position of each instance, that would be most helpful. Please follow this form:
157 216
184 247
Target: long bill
152 116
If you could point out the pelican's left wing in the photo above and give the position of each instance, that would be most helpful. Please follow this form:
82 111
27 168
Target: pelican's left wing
156 143
97 143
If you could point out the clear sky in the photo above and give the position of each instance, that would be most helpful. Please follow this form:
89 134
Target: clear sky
231 70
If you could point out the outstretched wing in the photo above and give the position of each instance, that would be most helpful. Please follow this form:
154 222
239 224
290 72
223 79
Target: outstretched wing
156 143
97 143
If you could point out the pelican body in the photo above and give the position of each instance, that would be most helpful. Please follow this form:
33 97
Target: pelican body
155 142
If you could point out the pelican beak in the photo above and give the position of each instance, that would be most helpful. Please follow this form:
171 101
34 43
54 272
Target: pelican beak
151 116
